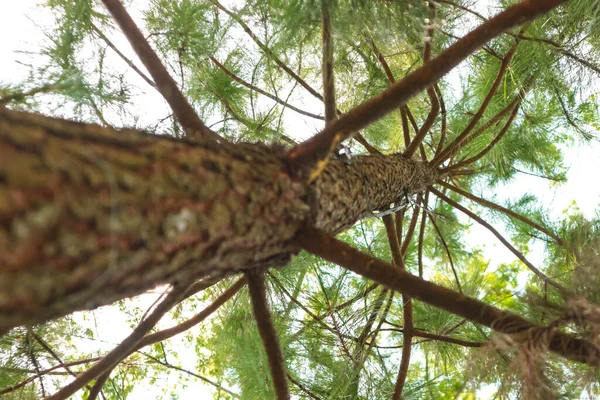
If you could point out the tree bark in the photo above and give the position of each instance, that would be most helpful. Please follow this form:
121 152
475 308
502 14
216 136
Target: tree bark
90 215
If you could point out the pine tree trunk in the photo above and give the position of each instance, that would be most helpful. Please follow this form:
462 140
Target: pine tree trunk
90 215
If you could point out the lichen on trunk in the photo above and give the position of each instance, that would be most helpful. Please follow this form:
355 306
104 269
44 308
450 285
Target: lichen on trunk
90 215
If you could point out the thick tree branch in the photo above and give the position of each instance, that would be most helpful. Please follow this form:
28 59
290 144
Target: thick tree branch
327 63
191 123
319 146
333 250
264 322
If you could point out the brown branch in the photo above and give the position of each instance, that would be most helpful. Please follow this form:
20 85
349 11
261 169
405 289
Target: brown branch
444 127
327 67
333 250
359 138
303 388
504 210
439 338
398 253
458 142
264 322
47 372
435 104
34 361
195 320
259 90
320 145
116 355
268 51
409 233
127 61
97 388
448 253
422 233
187 117
505 242
187 371
559 47
492 144
189 323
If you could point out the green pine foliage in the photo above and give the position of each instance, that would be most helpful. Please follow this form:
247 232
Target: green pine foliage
342 337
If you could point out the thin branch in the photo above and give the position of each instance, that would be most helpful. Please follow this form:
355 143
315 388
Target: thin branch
187 371
187 117
127 61
259 90
458 142
570 120
320 145
422 234
34 361
435 104
359 138
327 63
504 210
264 322
268 51
18 96
333 250
505 242
116 355
303 388
439 338
559 47
47 372
444 127
391 80
448 253
492 144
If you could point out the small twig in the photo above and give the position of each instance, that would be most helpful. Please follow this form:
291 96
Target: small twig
259 90
118 353
510 213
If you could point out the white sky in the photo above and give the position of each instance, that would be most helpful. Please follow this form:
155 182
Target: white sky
19 32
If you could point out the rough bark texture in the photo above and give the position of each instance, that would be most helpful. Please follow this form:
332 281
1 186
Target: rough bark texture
90 215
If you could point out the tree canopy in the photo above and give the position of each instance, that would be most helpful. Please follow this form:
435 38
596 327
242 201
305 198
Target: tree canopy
403 127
